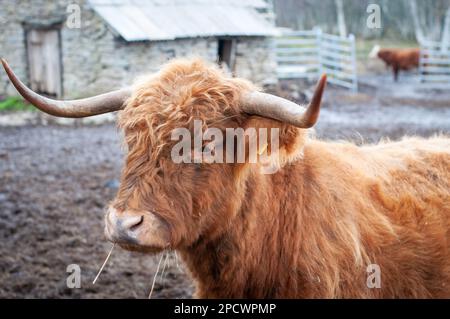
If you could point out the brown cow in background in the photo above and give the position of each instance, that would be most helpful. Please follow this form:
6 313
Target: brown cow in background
398 59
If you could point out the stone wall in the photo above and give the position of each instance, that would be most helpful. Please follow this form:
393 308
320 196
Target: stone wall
256 60
95 59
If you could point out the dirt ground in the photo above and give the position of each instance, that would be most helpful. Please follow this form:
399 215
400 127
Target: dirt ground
55 182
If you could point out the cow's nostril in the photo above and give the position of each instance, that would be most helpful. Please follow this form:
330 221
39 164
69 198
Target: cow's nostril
131 223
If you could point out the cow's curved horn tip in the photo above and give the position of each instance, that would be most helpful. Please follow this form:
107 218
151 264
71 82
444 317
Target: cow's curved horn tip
323 79
5 64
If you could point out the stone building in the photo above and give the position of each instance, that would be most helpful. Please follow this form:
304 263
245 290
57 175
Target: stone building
75 48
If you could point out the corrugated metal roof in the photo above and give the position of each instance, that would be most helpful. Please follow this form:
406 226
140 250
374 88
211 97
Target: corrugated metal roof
241 3
139 20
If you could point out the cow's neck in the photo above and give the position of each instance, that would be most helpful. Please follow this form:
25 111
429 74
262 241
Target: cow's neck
233 264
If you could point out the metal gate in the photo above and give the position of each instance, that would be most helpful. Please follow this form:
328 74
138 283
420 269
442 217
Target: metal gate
308 54
434 66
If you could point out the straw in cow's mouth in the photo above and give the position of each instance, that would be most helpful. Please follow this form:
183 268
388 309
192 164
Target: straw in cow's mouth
164 256
156 275
104 264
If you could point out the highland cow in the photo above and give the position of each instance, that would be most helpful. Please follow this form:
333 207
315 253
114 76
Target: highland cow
317 228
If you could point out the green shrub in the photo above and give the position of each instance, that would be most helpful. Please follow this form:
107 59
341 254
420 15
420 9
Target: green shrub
14 104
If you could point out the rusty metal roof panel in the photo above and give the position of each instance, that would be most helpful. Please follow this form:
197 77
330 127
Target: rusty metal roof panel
137 20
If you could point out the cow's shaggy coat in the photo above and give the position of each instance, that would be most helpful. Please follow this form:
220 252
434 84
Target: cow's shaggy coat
308 231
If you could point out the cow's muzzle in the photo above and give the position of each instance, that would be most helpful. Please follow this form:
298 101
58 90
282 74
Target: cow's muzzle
136 231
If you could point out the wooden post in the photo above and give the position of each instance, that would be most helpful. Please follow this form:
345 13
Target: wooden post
354 66
445 41
319 50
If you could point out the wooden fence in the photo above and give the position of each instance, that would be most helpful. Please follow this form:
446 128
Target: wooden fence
308 54
434 66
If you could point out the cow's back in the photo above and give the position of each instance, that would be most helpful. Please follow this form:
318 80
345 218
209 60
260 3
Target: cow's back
408 59
413 176
394 198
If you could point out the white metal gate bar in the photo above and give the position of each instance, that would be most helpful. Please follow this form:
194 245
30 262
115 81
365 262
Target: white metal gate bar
308 54
298 54
434 66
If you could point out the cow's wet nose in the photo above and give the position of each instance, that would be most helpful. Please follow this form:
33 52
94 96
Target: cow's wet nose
123 228
128 223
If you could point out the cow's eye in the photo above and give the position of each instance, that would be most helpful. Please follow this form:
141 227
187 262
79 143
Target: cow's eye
160 173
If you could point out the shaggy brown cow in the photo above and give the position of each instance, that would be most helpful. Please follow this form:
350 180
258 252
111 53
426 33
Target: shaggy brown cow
333 212
398 59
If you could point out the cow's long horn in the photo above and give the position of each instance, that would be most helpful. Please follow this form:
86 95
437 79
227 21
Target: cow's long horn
104 103
271 106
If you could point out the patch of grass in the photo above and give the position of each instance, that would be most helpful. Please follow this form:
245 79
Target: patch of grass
15 104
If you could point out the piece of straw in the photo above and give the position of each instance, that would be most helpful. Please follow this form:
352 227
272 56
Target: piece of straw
176 261
154 277
104 263
164 265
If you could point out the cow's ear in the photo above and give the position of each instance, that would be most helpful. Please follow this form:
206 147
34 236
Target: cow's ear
283 143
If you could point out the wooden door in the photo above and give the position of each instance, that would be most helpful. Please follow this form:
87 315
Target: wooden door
227 52
44 61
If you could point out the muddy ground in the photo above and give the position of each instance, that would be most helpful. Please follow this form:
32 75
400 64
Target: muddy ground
55 182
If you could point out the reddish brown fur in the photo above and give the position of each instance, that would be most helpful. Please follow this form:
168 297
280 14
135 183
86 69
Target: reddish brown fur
308 231
400 59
